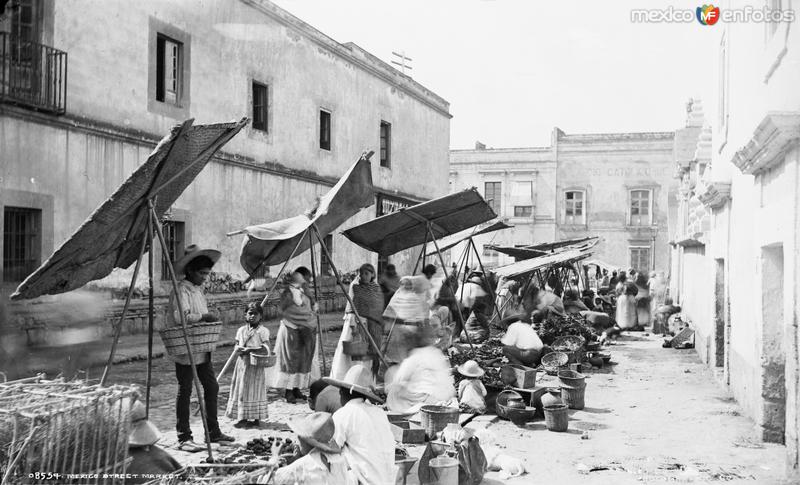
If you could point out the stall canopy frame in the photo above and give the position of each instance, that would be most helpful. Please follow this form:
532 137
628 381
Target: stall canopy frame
422 224
119 232
279 242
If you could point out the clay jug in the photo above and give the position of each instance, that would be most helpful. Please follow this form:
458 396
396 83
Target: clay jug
551 397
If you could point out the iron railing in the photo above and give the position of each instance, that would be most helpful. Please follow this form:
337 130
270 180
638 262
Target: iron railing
32 74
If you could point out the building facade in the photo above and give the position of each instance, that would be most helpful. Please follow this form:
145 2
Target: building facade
615 186
88 88
738 233
315 106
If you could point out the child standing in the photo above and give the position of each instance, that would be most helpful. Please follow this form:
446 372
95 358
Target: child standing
248 397
471 391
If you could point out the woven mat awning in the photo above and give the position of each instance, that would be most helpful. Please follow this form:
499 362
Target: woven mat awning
273 242
112 236
408 227
487 227
530 265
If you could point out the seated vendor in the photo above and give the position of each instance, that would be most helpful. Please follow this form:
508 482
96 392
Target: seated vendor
521 344
321 461
476 327
147 458
573 303
424 377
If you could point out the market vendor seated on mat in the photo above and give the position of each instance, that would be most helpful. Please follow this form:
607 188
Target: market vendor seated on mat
521 344
477 325
147 458
321 461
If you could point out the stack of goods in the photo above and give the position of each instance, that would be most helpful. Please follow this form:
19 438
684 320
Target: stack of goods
63 427
488 356
557 326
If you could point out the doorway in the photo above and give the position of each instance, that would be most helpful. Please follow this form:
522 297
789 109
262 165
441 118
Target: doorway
773 360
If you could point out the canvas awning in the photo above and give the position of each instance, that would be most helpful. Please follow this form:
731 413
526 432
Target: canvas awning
487 227
408 227
560 244
528 252
520 253
530 265
273 243
112 236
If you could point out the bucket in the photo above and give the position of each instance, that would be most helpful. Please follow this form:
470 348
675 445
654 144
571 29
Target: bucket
571 378
573 396
556 417
444 471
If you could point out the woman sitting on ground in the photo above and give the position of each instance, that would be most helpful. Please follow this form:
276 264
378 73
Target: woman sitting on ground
424 377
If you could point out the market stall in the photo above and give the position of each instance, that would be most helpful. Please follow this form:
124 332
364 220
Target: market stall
119 233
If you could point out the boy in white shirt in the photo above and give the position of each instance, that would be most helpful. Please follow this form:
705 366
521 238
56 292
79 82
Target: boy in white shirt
521 344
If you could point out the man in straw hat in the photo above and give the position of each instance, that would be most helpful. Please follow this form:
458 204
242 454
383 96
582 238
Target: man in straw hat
147 458
194 267
321 460
363 429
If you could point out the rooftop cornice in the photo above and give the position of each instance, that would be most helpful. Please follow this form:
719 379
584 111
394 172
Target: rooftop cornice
770 139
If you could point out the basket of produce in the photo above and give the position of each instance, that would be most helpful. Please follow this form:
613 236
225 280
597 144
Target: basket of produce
262 360
569 343
510 405
435 418
203 337
554 361
356 348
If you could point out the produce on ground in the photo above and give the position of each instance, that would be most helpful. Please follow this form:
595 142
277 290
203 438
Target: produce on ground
556 326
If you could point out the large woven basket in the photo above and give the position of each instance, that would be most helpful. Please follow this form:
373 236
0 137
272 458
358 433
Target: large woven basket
202 336
554 361
435 418
569 343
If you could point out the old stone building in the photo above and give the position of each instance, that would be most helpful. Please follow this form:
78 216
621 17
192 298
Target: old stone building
88 88
613 185
736 271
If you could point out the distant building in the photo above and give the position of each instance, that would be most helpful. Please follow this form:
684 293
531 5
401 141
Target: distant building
736 271
616 186
88 88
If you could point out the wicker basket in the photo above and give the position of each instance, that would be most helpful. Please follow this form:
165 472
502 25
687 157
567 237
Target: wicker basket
569 343
435 418
262 361
516 415
202 336
554 361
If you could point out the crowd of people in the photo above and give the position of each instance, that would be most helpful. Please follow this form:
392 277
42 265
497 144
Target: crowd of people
405 322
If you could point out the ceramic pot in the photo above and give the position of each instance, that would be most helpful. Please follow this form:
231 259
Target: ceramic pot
551 397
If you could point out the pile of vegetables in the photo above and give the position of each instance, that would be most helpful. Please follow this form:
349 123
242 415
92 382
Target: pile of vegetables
556 326
487 355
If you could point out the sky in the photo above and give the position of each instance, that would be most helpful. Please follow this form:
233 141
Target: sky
514 69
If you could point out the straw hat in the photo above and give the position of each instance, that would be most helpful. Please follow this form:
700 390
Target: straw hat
358 379
194 251
470 368
143 432
316 430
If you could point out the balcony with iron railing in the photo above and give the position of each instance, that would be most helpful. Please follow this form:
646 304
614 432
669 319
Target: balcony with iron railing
32 75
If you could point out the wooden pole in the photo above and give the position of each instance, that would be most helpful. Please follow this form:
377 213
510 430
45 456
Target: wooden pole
421 253
446 277
178 302
316 298
118 330
347 295
228 363
150 309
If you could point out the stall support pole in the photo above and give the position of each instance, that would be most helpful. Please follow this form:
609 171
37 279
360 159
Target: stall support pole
421 255
347 295
118 330
150 310
195 379
316 298
446 276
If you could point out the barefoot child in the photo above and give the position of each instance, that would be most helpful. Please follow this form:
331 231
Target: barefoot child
248 398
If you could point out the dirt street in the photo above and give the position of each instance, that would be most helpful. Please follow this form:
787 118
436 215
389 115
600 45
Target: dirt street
656 416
